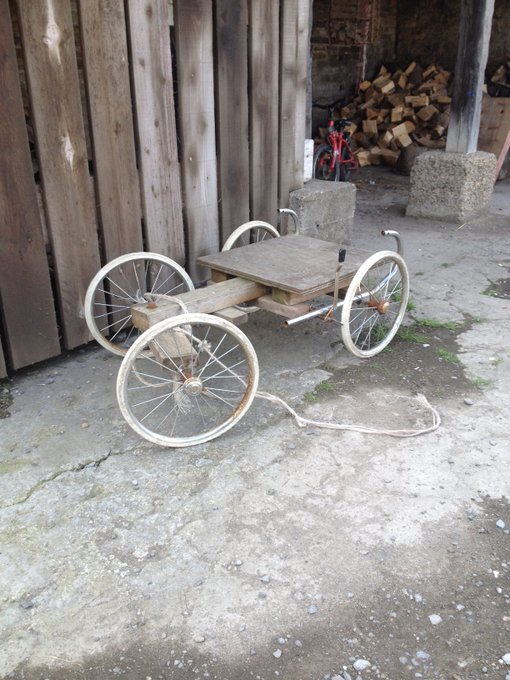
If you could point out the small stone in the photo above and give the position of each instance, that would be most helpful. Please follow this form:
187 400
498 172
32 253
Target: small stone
282 640
253 652
468 401
291 446
492 442
26 604
312 609
435 619
242 627
460 607
237 563
483 530
500 524
350 595
298 643
418 598
262 595
361 664
84 425
506 659
423 656
265 579
277 654
199 638
134 482
403 660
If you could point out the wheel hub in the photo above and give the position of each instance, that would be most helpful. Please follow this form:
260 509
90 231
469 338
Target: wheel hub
382 306
193 386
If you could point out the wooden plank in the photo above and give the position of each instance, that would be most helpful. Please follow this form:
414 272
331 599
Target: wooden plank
293 263
264 60
28 309
151 62
206 300
495 128
233 314
103 25
195 74
50 59
232 114
295 37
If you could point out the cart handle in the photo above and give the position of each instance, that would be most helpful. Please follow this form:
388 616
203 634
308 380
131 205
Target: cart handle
396 236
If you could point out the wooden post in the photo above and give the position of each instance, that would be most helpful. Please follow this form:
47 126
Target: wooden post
474 35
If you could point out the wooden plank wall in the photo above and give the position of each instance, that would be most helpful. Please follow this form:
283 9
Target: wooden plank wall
157 126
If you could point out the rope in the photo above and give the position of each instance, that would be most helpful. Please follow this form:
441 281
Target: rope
304 422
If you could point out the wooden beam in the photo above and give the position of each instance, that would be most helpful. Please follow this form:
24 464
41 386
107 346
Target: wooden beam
473 48
206 300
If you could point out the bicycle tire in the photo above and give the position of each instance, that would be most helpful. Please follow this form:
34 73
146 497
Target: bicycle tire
321 169
345 163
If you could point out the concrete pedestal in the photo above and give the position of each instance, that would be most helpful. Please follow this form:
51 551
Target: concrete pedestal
453 187
325 210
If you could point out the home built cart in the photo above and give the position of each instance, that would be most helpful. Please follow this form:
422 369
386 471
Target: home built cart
188 372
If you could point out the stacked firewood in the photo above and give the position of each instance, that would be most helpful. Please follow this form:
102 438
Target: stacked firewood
396 110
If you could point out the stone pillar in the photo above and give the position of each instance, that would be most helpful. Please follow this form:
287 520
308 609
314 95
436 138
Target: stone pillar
325 210
457 185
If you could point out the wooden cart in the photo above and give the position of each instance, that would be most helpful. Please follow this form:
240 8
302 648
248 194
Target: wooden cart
189 373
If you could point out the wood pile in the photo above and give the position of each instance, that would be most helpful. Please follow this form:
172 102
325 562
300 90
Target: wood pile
396 110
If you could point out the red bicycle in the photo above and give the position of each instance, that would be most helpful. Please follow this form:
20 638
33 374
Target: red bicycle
334 159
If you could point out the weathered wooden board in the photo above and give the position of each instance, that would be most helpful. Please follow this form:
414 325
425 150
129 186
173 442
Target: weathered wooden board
207 300
103 25
50 59
293 263
264 102
494 134
195 75
28 309
149 39
232 114
293 78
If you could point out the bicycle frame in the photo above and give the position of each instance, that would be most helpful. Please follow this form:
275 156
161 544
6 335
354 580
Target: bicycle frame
339 142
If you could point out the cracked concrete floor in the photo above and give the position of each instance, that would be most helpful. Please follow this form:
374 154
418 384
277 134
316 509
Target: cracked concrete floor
276 551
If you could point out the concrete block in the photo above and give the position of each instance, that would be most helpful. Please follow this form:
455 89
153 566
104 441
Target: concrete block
453 187
325 210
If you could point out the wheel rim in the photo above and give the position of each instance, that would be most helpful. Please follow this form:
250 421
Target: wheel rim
375 304
197 381
251 232
122 283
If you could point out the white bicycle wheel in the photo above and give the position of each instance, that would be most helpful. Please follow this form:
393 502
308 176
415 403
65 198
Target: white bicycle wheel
197 381
250 232
375 304
122 283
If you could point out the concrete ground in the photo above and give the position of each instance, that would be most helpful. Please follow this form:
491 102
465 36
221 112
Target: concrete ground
275 551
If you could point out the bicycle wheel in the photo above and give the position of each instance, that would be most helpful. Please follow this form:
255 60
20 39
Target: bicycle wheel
198 379
250 232
122 283
346 163
322 164
375 304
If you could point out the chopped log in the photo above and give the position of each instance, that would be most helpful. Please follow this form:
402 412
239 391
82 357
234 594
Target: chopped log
363 157
370 127
397 114
427 112
417 100
410 68
404 128
389 157
404 140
